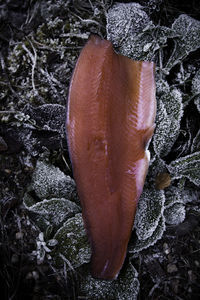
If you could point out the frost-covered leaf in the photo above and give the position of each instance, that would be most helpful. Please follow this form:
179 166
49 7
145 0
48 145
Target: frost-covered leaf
129 16
174 206
53 211
52 243
49 182
196 143
196 83
28 200
188 39
48 116
175 214
73 244
125 287
162 129
196 89
139 245
127 28
189 195
133 34
150 209
196 94
173 196
157 165
162 87
197 102
169 113
124 23
187 166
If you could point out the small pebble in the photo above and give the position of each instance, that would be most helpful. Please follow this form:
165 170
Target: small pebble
196 263
166 248
191 276
29 275
35 275
19 235
14 258
3 145
171 268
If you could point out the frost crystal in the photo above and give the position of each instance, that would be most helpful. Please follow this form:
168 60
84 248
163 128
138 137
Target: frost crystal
133 34
150 208
149 220
55 191
53 212
48 116
196 89
169 113
196 142
188 166
188 38
48 182
125 22
175 214
72 242
173 196
139 245
42 249
174 206
125 287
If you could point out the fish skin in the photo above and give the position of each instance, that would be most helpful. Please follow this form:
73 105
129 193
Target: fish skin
110 121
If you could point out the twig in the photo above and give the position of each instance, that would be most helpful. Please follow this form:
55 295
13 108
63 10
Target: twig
66 163
34 60
9 111
87 21
67 261
77 35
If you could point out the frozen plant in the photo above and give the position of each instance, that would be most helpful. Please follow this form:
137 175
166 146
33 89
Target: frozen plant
126 287
43 250
138 38
134 35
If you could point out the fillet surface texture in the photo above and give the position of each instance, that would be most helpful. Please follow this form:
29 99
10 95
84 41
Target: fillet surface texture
110 121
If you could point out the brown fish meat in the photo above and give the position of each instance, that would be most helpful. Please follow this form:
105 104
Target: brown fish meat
110 121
